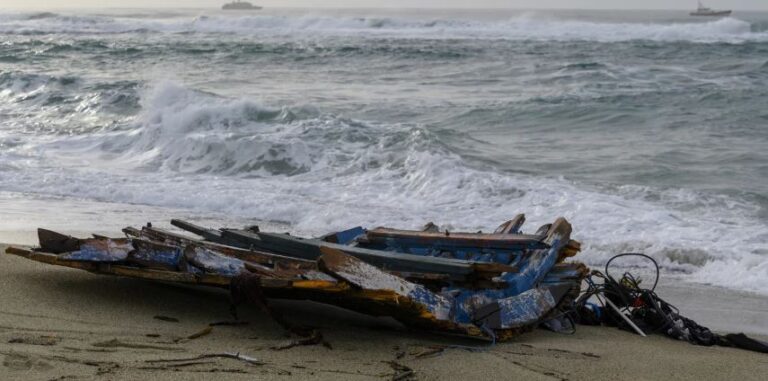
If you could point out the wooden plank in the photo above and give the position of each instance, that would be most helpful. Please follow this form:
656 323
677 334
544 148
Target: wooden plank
430 227
155 255
101 250
110 269
517 311
253 256
285 265
309 249
57 243
535 266
212 262
325 284
463 240
512 226
51 259
209 234
388 261
371 278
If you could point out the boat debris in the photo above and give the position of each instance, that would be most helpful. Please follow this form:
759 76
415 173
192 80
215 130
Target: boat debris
625 304
228 355
492 286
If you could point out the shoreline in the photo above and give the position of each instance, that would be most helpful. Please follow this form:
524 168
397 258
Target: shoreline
64 322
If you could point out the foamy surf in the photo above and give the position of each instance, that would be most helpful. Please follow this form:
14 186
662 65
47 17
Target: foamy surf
196 151
529 26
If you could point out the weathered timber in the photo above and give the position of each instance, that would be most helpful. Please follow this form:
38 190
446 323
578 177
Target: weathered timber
473 240
536 265
296 288
155 255
57 243
253 256
370 278
284 267
430 227
309 249
512 226
101 250
344 237
122 270
214 263
419 288
517 311
209 234
389 261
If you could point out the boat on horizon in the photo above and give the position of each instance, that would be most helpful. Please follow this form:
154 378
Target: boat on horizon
706 11
240 6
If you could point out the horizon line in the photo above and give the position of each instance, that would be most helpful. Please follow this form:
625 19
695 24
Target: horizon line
382 8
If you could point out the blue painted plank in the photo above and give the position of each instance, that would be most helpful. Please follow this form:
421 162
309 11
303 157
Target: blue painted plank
155 255
525 309
345 237
100 250
213 263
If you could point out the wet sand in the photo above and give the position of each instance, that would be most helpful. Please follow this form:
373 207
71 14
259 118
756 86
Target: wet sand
65 324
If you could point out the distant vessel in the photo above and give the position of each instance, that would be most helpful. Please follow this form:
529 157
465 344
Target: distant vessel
704 11
240 5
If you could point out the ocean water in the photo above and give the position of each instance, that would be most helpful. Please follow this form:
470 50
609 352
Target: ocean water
647 130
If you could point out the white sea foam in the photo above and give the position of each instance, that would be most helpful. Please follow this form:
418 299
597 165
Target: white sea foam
524 27
318 172
519 28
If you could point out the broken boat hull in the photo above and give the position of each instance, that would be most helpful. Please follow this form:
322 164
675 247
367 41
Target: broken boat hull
477 296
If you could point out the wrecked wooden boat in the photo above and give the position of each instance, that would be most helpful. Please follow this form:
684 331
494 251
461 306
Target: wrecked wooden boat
485 285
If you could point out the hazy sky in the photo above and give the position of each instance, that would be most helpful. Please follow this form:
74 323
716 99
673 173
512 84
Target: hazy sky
571 4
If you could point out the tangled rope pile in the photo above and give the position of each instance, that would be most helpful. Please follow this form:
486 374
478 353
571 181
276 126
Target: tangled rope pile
625 304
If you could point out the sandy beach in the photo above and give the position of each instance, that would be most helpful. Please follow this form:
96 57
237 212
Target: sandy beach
64 324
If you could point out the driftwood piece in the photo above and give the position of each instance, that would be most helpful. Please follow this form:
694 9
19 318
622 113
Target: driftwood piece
402 372
228 355
228 323
35 340
203 332
166 318
115 343
314 338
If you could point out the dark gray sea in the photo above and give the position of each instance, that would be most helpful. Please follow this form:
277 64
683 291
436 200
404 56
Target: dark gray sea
647 130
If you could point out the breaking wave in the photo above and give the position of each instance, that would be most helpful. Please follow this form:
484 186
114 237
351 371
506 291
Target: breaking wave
520 28
525 27
318 171
64 104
